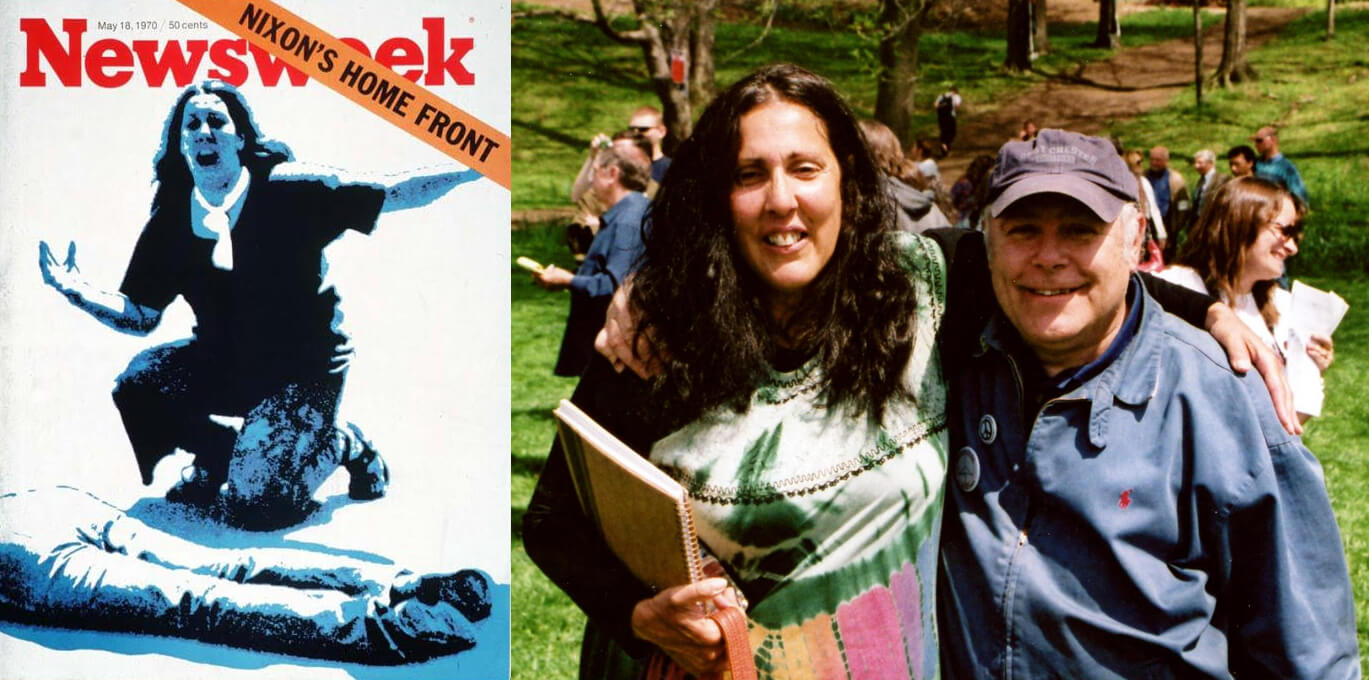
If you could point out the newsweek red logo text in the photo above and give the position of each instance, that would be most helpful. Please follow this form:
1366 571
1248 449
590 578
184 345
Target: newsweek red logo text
65 53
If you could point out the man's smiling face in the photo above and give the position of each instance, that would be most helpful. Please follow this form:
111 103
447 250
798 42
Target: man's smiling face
1060 274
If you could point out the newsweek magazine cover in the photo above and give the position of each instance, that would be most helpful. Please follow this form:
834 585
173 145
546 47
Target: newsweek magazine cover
253 340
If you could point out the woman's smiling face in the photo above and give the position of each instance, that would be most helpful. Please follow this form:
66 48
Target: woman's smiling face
786 198
1264 259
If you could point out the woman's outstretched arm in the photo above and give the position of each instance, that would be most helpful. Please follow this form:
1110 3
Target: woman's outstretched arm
403 190
112 309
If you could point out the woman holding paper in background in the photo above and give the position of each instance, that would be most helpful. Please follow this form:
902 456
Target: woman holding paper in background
1236 251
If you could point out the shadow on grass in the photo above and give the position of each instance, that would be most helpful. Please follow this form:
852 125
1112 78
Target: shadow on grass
539 413
530 466
516 522
566 51
1333 153
551 133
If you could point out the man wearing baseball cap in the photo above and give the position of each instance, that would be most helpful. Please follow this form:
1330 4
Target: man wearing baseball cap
1122 504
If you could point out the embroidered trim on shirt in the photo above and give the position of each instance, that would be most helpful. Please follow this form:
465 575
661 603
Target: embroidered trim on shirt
807 483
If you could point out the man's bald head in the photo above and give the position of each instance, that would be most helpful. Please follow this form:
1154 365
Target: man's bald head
1159 158
1266 142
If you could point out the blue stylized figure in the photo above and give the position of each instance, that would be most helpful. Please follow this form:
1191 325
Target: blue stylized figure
69 559
238 228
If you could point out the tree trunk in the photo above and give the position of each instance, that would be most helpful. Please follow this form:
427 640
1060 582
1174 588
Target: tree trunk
666 30
1234 67
900 33
1109 31
1198 52
1041 41
1019 56
1330 19
676 112
701 65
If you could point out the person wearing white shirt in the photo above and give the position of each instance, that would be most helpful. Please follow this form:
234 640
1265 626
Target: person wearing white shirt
1236 251
1209 180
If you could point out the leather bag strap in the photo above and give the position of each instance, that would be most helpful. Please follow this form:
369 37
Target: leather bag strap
740 662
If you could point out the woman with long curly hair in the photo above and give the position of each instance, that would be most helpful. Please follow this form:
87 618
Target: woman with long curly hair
238 228
801 402
1236 251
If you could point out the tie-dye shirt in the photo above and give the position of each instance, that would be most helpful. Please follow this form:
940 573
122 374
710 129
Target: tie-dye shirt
828 520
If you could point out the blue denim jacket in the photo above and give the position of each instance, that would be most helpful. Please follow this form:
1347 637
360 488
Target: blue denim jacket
612 256
1153 522
614 251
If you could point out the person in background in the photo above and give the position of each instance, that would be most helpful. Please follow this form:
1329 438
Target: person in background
1154 220
1027 132
1121 504
1241 160
645 130
947 110
647 122
1275 166
1171 197
618 179
1237 251
1209 179
580 232
923 154
918 211
968 189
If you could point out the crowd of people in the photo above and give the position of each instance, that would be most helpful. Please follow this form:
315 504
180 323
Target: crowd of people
985 445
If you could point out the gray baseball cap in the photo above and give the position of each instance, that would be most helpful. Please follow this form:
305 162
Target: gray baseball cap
1084 168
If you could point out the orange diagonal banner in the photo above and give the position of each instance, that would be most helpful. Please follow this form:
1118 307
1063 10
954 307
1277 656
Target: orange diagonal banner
365 81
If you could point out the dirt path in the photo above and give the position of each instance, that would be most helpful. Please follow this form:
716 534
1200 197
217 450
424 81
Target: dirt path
1132 82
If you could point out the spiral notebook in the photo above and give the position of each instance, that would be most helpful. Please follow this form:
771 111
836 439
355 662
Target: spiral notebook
642 513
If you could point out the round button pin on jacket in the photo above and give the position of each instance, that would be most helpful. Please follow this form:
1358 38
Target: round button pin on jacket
988 429
967 469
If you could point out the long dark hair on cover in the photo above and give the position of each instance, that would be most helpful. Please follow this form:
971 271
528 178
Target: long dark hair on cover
708 310
259 153
1216 246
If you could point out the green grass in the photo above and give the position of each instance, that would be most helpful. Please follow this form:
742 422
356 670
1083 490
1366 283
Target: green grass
546 628
1318 93
1069 43
1318 89
1340 438
570 82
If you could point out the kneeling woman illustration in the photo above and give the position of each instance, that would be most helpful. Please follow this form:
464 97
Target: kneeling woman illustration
238 229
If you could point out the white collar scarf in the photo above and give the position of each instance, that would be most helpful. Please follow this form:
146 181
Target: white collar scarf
217 222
